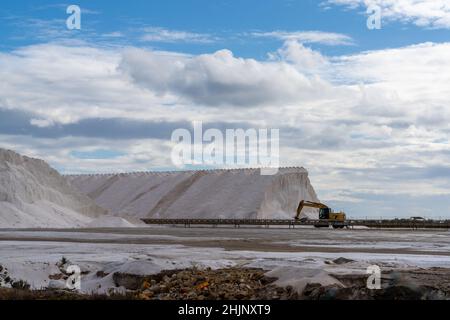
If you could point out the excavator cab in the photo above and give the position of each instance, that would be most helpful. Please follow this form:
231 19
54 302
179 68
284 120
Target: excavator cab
324 213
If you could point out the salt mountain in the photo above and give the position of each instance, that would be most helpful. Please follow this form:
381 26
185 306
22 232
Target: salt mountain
33 195
239 193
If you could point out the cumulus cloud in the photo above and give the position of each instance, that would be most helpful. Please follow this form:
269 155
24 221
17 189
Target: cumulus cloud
409 82
303 58
221 78
423 13
66 84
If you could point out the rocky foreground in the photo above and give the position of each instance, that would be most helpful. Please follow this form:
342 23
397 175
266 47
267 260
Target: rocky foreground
252 284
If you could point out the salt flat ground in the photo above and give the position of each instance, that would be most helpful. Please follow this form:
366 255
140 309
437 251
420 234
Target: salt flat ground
32 255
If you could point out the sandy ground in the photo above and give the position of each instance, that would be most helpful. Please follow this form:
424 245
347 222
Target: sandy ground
32 255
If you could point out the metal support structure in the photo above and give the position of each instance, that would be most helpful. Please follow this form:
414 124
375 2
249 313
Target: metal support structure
237 223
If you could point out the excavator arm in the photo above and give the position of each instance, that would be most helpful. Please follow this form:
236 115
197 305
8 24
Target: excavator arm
310 204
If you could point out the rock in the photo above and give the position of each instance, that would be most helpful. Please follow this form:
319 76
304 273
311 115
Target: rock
163 288
128 281
146 285
155 288
20 284
342 260
101 274
400 293
213 296
57 276
192 296
57 284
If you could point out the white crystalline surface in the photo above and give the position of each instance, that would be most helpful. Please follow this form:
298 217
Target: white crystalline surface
241 193
299 277
110 222
35 260
33 256
33 195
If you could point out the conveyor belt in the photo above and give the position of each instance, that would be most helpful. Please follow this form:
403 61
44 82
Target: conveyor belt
392 223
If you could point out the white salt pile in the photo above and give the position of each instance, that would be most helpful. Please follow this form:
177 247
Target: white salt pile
33 195
241 193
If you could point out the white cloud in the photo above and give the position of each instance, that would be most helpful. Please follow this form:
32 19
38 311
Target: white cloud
419 64
328 38
41 123
364 112
66 84
141 155
114 34
423 13
157 34
221 79
303 58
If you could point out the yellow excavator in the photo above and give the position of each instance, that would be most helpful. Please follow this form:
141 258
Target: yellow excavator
326 215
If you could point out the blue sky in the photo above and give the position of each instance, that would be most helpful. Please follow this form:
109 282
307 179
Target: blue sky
228 21
365 111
